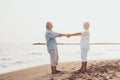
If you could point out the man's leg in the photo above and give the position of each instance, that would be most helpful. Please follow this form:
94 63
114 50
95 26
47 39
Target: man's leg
56 57
54 61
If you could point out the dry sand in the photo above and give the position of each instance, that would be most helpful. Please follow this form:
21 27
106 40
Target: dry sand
97 70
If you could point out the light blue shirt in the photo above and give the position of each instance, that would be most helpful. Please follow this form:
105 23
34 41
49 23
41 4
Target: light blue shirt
50 39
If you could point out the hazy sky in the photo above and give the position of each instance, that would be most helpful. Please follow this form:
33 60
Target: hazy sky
24 21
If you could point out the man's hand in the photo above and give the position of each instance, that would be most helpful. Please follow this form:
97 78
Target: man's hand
68 35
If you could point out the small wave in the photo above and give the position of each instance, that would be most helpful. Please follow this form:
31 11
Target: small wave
5 59
3 66
19 62
37 53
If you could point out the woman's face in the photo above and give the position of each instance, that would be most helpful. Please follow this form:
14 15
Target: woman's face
86 26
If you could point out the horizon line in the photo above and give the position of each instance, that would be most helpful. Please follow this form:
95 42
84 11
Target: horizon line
110 43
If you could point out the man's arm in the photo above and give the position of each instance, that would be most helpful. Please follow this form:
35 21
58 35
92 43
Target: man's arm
69 35
60 34
52 34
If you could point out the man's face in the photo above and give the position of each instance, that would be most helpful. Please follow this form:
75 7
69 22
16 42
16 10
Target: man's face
50 26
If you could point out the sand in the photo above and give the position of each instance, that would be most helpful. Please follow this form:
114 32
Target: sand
97 70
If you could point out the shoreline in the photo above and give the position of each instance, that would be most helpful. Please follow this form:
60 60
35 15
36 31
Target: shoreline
14 69
101 69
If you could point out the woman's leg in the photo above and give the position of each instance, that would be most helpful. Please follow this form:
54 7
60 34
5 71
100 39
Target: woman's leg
84 60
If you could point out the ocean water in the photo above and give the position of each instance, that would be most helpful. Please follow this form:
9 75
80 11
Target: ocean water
21 56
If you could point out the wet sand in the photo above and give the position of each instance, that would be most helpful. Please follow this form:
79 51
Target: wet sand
96 70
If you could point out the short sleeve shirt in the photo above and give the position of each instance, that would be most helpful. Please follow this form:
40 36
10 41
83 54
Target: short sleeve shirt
50 39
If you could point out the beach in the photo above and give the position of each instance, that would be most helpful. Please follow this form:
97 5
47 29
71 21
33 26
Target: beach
96 70
32 62
15 57
31 29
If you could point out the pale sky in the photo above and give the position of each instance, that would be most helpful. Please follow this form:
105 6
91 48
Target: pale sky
23 21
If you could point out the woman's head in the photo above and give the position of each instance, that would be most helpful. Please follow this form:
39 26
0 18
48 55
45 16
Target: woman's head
86 25
49 26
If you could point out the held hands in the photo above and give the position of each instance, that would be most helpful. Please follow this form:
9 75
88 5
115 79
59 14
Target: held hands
68 35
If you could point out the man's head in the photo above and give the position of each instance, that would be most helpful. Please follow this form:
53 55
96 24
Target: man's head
86 25
49 26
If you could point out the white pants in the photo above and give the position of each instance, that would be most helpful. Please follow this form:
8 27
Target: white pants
84 54
54 57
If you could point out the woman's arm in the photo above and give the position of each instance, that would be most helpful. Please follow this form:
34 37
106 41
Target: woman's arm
76 34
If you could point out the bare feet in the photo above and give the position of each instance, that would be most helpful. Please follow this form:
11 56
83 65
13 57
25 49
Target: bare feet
82 70
56 72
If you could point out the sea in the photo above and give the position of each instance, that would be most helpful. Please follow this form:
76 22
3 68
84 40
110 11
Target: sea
14 57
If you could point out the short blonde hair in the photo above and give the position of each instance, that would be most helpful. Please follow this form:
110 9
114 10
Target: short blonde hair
86 23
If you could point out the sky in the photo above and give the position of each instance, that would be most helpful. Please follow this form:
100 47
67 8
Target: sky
23 21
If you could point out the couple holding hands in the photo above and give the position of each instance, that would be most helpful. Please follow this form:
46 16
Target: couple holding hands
52 45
